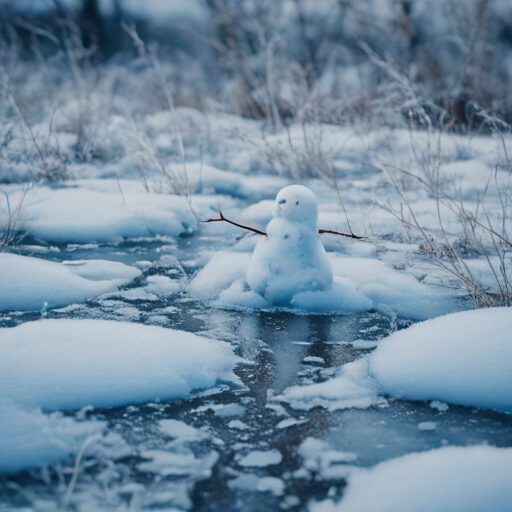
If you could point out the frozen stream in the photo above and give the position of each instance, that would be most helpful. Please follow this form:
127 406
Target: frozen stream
282 349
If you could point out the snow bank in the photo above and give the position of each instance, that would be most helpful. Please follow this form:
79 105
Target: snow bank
450 479
29 284
80 215
360 284
463 358
68 364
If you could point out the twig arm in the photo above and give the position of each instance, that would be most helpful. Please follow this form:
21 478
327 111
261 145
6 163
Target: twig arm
322 231
222 218
258 232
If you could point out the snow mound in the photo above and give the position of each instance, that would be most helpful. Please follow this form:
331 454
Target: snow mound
29 284
68 364
450 479
360 284
464 358
80 215
351 387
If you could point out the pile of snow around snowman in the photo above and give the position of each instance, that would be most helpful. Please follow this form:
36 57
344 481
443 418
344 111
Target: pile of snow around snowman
290 268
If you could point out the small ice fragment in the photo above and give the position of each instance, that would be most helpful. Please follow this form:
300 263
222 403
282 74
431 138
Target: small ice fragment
278 409
289 422
162 286
223 410
237 424
271 484
261 459
427 425
157 320
313 359
244 483
440 406
179 430
290 501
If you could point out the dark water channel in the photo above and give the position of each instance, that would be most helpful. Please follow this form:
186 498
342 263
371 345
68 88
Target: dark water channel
276 345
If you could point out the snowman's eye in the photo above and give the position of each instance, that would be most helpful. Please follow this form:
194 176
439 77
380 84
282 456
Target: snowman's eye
297 202
282 201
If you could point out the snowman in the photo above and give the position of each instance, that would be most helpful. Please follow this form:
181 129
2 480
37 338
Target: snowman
291 258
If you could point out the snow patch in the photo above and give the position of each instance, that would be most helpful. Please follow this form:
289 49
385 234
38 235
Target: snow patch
450 479
68 364
30 284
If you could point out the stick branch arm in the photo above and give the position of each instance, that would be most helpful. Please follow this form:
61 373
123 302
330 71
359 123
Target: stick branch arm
222 218
329 231
262 233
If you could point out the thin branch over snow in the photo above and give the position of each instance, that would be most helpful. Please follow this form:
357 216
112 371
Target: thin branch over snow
259 232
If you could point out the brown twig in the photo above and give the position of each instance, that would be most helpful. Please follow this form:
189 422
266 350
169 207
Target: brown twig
322 231
222 218
258 232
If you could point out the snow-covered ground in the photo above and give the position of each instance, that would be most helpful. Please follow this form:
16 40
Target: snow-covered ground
450 479
426 362
221 391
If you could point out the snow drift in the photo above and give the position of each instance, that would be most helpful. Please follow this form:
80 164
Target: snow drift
68 364
463 358
29 284
450 479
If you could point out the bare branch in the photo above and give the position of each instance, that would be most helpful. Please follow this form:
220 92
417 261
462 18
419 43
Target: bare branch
258 232
222 218
351 235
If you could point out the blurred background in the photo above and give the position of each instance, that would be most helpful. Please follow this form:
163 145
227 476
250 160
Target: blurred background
329 61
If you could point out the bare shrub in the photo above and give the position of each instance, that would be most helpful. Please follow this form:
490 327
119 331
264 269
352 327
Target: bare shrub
480 230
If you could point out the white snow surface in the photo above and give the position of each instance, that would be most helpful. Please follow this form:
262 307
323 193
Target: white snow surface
359 284
81 215
261 458
29 284
350 388
68 364
464 358
449 479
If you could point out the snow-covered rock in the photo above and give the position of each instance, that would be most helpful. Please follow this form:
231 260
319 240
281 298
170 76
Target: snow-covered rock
68 364
450 479
30 284
463 358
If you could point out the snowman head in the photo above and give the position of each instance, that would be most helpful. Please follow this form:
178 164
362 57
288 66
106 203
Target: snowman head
297 203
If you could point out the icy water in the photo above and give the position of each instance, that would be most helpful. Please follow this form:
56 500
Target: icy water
282 349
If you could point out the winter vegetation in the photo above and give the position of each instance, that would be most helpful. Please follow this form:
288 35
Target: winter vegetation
255 254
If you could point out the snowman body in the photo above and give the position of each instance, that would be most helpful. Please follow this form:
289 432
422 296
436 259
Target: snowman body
291 258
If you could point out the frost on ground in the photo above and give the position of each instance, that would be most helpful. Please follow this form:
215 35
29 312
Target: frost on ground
463 358
34 284
450 479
